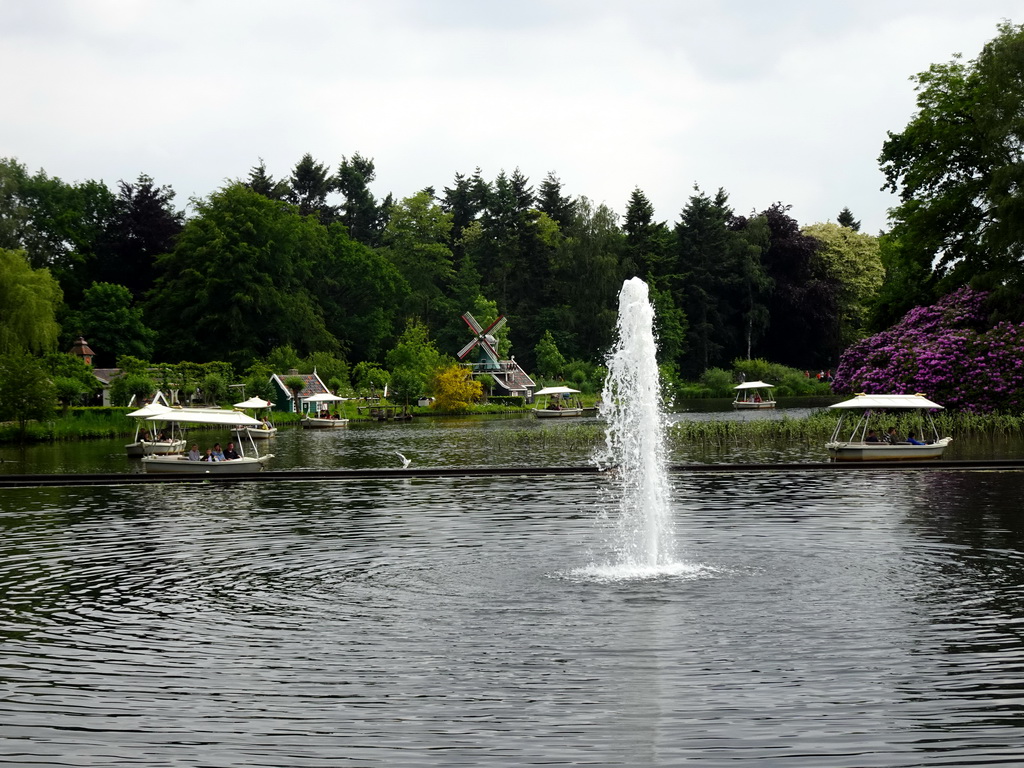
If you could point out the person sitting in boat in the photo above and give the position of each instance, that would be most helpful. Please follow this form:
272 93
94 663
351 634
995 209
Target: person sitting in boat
162 437
194 455
208 456
891 437
872 437
913 441
218 453
264 423
143 434
230 452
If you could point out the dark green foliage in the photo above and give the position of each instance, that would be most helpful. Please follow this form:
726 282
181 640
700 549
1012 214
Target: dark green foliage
113 327
360 213
311 182
144 225
803 305
26 392
958 167
238 283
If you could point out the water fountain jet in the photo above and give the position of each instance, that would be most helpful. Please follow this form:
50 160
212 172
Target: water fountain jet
635 437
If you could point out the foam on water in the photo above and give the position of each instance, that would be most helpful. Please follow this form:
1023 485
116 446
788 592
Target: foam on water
635 439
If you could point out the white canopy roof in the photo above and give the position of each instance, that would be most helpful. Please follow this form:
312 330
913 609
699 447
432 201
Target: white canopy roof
556 391
324 397
863 401
207 416
254 402
146 411
754 385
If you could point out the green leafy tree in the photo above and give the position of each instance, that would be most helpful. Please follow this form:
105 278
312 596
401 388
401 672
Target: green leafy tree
413 361
550 362
852 260
369 377
958 168
131 385
26 392
112 324
361 293
72 377
29 299
214 388
295 385
238 282
416 240
60 226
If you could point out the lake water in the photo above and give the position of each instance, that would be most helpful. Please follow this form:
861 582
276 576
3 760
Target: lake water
814 618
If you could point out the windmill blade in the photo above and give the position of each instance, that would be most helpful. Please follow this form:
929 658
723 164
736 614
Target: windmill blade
486 347
466 349
495 325
472 323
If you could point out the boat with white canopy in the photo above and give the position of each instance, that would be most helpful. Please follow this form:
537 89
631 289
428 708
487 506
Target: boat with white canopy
252 462
266 430
557 402
862 441
151 438
318 414
753 395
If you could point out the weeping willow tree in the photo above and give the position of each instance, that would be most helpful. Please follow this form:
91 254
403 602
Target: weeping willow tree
29 298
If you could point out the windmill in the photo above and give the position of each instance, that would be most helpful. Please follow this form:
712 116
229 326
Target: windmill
485 341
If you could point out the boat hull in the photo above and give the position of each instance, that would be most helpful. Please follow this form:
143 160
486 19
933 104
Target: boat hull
180 464
256 433
550 413
854 451
308 423
749 406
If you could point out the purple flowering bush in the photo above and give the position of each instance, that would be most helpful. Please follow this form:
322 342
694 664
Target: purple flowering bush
946 351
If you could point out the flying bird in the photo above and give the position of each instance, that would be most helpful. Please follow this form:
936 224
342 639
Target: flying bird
405 462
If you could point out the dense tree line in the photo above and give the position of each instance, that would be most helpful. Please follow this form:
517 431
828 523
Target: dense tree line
263 263
313 261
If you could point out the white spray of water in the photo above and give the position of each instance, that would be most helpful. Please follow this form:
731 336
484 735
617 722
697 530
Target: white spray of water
635 436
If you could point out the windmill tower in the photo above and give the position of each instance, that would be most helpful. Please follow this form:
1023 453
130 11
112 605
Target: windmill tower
509 378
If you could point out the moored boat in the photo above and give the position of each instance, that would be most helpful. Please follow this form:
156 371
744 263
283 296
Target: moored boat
557 403
862 441
753 395
148 439
318 414
266 429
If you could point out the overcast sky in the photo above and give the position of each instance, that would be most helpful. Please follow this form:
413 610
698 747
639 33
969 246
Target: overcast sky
787 101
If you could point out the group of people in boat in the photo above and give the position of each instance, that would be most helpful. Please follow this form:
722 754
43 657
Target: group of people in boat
213 454
892 438
156 437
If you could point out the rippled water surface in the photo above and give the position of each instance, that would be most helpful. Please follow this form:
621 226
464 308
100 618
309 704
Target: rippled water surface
868 618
